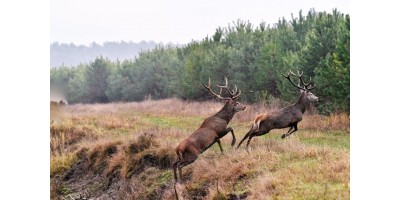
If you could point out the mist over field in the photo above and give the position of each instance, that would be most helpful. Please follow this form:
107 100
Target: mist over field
73 54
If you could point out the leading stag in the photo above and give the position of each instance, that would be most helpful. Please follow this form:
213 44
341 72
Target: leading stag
285 117
210 131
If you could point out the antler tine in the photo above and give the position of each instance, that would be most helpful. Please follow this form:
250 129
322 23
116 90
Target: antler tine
300 75
210 90
288 77
232 93
293 73
302 81
313 85
237 95
235 91
227 87
306 85
222 86
310 88
297 75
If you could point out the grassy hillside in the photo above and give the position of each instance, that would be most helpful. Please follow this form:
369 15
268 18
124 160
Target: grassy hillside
125 151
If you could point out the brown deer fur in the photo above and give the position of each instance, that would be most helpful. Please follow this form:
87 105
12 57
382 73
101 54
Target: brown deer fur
289 116
210 131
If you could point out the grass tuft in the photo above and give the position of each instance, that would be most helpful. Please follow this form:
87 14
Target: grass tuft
127 149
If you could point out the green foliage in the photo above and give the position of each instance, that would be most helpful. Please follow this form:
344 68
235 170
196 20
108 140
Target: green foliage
60 78
96 80
251 57
77 85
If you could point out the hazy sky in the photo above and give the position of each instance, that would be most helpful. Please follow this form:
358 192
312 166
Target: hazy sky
178 21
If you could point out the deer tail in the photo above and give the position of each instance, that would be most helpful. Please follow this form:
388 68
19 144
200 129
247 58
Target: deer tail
257 121
179 153
256 125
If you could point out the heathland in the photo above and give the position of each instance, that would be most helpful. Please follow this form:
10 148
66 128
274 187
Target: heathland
125 151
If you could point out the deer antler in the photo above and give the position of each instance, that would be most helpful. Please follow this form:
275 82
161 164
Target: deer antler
288 77
311 87
237 94
234 94
210 90
302 81
300 76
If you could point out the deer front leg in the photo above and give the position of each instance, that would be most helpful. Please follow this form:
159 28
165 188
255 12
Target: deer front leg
226 131
289 133
233 135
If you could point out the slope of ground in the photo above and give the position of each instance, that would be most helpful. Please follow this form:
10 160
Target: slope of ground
125 151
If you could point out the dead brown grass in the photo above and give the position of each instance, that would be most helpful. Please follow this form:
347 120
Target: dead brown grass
134 142
65 136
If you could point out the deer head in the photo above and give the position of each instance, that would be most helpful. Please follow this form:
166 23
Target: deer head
231 102
305 89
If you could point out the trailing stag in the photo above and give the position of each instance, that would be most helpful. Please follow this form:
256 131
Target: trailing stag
289 116
210 131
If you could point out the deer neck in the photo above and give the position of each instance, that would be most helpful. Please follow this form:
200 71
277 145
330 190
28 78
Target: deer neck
225 113
301 103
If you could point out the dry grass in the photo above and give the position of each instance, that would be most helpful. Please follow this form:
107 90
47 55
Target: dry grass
61 163
135 142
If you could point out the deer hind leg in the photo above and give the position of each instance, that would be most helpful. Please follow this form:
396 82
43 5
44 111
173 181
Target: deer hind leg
174 166
185 162
258 133
248 142
251 131
289 133
220 147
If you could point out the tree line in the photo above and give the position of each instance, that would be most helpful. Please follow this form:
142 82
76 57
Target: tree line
253 57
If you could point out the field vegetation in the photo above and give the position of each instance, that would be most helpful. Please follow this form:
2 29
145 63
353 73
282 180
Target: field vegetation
126 150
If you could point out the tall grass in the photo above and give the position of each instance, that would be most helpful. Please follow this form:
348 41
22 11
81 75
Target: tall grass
180 108
135 142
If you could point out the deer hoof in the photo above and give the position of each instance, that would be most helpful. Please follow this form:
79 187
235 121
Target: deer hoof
283 136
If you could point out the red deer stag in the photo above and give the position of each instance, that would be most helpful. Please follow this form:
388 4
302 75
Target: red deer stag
285 117
210 131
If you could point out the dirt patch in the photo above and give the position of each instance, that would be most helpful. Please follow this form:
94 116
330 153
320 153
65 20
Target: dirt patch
113 170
